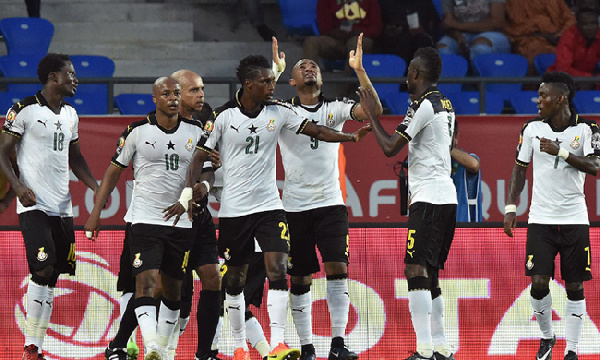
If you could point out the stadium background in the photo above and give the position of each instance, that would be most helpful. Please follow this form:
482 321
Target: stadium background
488 315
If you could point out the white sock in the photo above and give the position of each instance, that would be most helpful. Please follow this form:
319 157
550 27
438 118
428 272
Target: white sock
215 343
254 332
338 302
420 304
236 306
302 314
123 301
438 332
542 309
36 299
45 319
174 339
575 313
167 322
146 317
183 323
277 307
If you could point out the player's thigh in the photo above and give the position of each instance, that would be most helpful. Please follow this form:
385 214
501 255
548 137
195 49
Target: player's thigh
575 253
176 252
63 234
236 239
430 229
146 247
541 249
303 255
331 232
204 249
272 232
125 279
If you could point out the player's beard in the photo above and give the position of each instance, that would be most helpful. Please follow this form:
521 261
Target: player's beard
310 82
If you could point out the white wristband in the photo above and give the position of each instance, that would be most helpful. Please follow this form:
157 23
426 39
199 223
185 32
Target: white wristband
510 208
185 197
207 185
563 153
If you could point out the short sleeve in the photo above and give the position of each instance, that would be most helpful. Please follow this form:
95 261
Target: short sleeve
525 147
125 149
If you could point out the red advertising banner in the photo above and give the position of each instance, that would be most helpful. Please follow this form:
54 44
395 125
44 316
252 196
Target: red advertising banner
486 294
372 185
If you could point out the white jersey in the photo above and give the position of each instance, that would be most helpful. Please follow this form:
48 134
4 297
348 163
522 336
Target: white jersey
160 159
557 196
43 152
247 144
311 166
428 126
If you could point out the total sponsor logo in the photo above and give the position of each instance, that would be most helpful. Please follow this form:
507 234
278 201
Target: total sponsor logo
86 311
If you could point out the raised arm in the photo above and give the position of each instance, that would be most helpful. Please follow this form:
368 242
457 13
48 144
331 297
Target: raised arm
80 168
515 187
355 61
468 161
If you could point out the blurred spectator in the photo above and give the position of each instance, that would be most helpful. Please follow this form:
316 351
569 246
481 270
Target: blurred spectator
254 11
407 26
340 22
578 50
33 8
473 27
534 26
466 175
580 4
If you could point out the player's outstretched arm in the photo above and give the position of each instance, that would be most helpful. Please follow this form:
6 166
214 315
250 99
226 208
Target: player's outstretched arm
80 167
327 134
355 60
109 181
515 187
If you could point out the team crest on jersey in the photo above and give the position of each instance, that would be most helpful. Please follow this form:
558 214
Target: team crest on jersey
209 126
137 262
190 144
120 144
330 122
271 125
42 255
226 255
529 262
596 141
10 118
575 143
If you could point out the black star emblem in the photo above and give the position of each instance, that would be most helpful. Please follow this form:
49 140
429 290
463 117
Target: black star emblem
170 146
252 129
58 125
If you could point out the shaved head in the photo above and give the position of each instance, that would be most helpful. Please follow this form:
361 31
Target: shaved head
161 82
185 77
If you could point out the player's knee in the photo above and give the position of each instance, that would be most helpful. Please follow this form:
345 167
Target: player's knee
40 280
540 283
210 277
539 294
575 295
296 289
45 272
414 270
278 284
276 270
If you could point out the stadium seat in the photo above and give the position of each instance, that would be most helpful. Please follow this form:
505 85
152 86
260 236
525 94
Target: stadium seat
502 65
8 99
438 6
542 61
397 102
134 104
525 102
92 66
21 66
26 35
587 101
384 65
88 103
467 103
453 66
299 17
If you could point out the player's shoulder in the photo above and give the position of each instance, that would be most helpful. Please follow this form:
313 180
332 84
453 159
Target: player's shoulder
280 104
531 123
23 104
229 105
589 122
437 100
135 125
192 122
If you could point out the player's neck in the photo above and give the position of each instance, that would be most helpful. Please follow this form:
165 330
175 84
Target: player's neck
186 112
54 99
250 105
562 118
309 95
167 121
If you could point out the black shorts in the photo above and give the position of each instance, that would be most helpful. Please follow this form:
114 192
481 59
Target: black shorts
325 228
160 247
204 243
49 240
126 280
254 288
571 241
236 235
430 234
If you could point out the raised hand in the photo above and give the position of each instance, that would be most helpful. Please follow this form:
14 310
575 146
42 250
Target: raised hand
356 56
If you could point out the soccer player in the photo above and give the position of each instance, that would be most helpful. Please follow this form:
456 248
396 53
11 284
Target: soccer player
564 148
43 133
160 148
247 129
427 128
312 198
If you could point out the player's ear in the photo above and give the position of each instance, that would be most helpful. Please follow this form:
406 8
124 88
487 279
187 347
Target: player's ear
292 82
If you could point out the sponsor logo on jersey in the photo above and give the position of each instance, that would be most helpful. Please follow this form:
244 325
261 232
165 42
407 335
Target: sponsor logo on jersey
529 262
10 118
330 122
42 255
575 143
120 144
137 262
190 144
271 125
